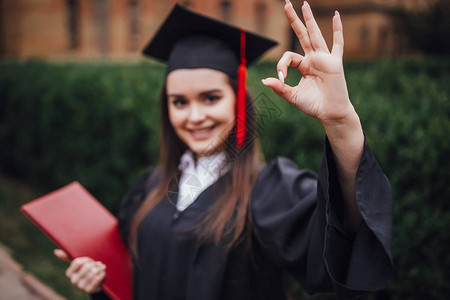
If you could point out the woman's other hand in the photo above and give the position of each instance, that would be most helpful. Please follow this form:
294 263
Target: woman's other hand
322 90
84 272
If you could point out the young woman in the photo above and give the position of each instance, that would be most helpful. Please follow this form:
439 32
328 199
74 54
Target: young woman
212 221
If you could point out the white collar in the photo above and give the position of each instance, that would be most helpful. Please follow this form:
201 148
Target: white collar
197 177
214 165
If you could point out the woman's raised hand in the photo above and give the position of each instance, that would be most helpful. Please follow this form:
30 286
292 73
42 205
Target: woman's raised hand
84 272
322 90
322 93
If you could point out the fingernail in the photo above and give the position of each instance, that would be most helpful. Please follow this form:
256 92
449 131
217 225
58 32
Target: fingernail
336 13
281 76
101 265
265 82
305 3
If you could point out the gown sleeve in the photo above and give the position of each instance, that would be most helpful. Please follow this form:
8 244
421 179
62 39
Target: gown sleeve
130 203
298 225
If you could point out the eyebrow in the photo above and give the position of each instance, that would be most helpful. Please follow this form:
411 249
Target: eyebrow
201 94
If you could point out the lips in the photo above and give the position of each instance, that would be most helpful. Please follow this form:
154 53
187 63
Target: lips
201 133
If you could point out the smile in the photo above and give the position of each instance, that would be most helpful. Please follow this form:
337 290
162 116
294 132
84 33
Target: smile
201 134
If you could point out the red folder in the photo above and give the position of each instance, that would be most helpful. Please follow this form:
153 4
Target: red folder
77 223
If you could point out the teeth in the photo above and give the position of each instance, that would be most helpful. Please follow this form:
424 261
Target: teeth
201 131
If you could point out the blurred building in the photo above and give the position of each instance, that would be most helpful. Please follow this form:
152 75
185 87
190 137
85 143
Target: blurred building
90 29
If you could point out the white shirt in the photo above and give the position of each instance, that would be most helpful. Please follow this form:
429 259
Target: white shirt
197 177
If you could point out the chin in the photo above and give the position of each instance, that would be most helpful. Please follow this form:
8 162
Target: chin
204 149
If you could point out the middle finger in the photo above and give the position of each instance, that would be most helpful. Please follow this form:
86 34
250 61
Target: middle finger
314 33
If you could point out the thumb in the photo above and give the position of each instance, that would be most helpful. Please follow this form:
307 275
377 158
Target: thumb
61 254
281 89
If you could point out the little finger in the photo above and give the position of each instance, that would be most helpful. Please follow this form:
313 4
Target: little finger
338 36
95 282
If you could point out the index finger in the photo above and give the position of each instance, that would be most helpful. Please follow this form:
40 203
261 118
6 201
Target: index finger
76 265
289 59
297 25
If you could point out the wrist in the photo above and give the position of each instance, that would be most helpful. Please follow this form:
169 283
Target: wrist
343 123
345 134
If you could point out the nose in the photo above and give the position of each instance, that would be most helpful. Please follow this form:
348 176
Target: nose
196 114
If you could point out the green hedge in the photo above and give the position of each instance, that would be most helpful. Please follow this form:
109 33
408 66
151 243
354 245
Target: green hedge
98 124
93 123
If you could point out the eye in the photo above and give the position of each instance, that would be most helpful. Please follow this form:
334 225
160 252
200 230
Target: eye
212 99
179 102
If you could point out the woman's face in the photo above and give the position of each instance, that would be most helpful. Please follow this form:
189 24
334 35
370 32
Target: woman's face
201 106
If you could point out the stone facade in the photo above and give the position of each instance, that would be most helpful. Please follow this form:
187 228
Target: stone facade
118 29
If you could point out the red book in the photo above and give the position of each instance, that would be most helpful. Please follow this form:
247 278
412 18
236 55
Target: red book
78 224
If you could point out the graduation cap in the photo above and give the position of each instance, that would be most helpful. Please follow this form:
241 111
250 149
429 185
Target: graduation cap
190 40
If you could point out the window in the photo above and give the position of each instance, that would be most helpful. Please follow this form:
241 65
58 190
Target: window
383 41
364 37
72 22
261 17
225 10
101 16
133 9
187 4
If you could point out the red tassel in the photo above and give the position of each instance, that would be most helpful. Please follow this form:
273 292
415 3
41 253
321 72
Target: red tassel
241 101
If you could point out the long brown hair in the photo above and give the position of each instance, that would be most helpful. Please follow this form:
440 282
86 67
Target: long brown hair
230 216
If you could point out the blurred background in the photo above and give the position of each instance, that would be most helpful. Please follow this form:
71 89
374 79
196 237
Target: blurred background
118 29
79 102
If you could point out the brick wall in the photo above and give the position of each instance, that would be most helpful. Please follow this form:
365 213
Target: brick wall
87 29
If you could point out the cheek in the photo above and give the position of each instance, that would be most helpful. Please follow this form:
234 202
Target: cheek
175 118
230 110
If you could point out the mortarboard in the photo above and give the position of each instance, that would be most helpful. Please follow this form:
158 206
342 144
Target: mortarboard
187 39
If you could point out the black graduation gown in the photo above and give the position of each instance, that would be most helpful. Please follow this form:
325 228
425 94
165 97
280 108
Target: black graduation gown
297 220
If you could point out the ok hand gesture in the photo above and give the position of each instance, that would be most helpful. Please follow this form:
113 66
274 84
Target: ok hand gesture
322 91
